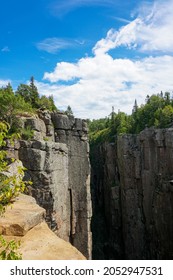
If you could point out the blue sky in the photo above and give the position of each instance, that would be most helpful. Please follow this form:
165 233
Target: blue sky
90 54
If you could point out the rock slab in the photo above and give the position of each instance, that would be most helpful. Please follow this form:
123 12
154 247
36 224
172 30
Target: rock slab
24 221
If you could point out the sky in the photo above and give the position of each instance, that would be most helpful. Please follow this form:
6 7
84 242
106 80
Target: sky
89 54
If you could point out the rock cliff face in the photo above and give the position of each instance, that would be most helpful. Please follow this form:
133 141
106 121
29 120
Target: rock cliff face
57 162
135 190
24 221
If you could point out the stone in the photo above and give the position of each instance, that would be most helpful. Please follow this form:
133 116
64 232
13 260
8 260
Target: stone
24 222
60 172
21 216
132 182
78 124
36 124
84 126
60 121
40 243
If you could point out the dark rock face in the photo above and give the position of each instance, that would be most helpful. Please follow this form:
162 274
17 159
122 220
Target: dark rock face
105 185
57 162
136 193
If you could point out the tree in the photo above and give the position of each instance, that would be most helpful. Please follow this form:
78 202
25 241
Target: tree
135 107
69 111
164 117
29 93
34 93
10 186
11 106
47 103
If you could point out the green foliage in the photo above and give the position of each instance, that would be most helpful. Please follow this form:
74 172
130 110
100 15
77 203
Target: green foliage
69 111
47 103
106 129
10 186
46 139
24 102
157 112
164 117
100 136
27 133
29 93
11 107
8 250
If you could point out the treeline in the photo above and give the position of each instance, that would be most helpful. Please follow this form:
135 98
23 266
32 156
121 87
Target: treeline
26 100
157 111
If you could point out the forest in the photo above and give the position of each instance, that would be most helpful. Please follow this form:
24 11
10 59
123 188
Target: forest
26 100
156 112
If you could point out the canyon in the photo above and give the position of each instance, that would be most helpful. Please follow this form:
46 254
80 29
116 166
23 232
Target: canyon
57 162
132 181
125 210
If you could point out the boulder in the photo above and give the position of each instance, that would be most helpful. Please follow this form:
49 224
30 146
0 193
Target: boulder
24 221
40 243
21 216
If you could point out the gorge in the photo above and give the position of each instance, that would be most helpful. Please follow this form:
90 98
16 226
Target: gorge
131 187
133 179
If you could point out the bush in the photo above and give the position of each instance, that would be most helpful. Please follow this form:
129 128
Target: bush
9 250
27 133
10 187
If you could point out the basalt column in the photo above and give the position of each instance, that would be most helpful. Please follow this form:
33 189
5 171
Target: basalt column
73 132
57 162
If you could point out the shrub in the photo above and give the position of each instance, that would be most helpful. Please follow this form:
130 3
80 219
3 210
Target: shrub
9 250
27 133
10 187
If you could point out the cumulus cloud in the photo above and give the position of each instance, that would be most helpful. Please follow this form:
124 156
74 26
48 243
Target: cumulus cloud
109 82
148 32
94 84
4 83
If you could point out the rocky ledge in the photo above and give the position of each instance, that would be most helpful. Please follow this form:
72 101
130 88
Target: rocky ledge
24 221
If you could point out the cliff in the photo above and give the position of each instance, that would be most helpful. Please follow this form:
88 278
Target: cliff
57 162
136 195
24 221
131 187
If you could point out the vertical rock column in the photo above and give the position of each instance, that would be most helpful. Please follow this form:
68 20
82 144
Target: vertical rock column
73 132
106 221
133 222
146 177
157 180
47 168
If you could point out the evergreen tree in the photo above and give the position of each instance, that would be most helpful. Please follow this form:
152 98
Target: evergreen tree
69 111
29 93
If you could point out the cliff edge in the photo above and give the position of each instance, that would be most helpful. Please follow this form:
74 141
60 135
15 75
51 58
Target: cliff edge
24 221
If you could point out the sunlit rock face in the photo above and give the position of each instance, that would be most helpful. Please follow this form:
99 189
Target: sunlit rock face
24 220
57 162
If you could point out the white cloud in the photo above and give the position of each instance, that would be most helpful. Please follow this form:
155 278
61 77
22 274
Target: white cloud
61 7
99 82
53 45
148 32
4 83
105 82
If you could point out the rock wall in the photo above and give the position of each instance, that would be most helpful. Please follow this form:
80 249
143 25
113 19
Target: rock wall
24 221
57 162
107 241
136 193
